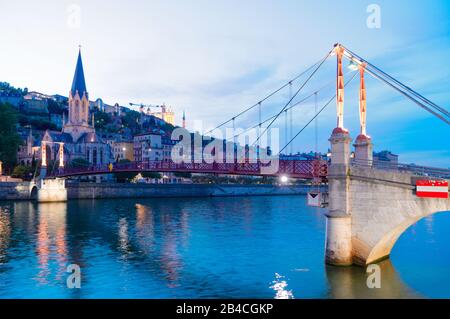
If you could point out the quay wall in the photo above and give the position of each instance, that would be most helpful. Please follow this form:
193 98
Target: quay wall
22 190
15 191
115 190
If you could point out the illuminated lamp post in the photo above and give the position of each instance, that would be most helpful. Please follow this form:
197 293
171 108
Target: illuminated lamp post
363 143
43 159
61 155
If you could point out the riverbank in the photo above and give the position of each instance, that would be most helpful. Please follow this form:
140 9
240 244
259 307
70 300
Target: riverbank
22 191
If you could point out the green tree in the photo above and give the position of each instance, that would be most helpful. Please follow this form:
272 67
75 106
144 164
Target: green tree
151 175
54 107
102 119
9 139
182 174
130 120
80 162
22 171
36 122
6 88
123 177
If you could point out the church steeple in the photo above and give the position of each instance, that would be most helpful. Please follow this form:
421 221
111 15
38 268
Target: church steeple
79 117
79 83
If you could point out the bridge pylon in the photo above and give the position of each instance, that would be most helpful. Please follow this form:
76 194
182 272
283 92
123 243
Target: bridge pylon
363 143
339 228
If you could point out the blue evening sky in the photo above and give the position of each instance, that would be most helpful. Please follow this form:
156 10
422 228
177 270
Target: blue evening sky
214 58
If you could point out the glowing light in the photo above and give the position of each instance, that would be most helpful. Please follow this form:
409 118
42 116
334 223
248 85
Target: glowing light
43 154
61 155
352 65
284 179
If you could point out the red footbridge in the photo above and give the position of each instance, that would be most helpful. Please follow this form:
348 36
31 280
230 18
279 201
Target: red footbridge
300 169
303 169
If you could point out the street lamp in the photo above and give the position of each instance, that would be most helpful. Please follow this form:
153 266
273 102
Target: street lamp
284 179
352 65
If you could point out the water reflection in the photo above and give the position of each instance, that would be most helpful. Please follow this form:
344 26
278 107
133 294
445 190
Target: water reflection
350 282
197 248
123 236
51 245
145 228
280 286
5 233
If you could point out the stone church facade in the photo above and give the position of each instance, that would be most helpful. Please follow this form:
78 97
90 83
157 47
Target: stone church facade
78 134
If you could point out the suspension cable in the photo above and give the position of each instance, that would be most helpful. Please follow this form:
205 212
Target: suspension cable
292 105
298 91
314 117
424 99
400 87
378 77
266 98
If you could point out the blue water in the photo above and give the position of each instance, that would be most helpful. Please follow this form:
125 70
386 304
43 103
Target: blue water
242 247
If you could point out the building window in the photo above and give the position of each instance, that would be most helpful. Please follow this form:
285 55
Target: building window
94 156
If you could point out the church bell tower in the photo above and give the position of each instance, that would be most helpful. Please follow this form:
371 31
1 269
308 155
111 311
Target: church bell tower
78 122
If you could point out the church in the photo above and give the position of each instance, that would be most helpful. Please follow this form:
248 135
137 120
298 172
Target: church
78 133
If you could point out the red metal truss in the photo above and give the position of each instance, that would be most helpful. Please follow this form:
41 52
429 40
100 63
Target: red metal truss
305 169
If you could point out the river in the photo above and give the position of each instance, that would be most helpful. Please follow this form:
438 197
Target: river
225 247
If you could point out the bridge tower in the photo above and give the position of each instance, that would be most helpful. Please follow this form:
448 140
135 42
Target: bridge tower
338 241
369 207
363 144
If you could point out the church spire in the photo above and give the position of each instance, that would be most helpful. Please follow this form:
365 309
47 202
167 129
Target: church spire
78 83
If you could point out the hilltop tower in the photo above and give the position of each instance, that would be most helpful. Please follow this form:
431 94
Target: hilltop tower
184 120
78 122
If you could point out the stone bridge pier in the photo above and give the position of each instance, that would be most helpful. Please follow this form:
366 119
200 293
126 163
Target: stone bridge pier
369 208
52 190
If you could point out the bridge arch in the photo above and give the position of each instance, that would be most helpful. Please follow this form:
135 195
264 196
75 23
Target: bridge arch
383 205
369 210
33 191
383 247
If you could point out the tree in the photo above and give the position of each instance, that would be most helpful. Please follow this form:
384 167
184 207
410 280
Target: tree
151 175
54 107
102 119
130 120
79 162
36 122
9 139
123 177
182 174
7 89
22 171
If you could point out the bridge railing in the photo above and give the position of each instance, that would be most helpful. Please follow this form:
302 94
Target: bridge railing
411 168
308 169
